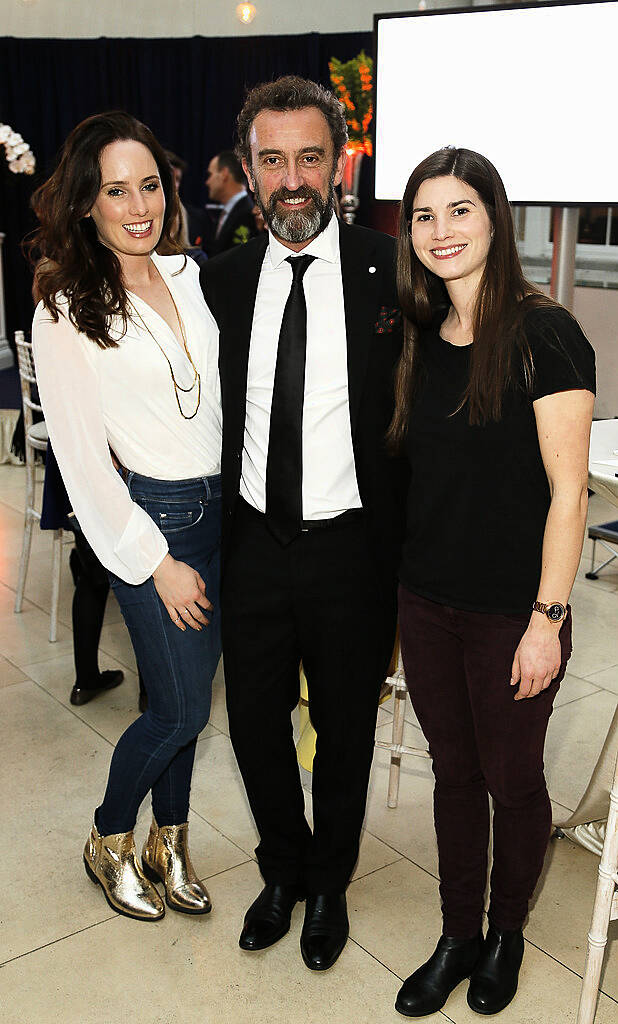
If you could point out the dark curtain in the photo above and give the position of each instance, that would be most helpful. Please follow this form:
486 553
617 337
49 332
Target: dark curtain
188 91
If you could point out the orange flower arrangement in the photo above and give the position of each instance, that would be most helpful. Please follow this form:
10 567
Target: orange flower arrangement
353 84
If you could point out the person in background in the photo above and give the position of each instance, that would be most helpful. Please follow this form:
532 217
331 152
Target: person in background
495 391
226 184
260 223
184 226
91 590
193 227
126 354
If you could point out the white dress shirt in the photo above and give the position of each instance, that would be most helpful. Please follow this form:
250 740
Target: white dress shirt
329 473
123 397
228 207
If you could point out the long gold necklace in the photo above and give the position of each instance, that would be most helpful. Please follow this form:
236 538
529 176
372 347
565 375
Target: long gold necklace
196 376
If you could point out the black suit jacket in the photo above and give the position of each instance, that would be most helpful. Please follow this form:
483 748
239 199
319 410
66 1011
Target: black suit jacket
374 339
238 227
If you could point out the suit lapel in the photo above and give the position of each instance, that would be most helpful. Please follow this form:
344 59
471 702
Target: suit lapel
360 300
242 290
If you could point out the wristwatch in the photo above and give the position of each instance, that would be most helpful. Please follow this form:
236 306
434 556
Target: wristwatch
554 611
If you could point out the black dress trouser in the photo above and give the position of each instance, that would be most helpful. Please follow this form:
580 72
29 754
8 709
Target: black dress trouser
315 601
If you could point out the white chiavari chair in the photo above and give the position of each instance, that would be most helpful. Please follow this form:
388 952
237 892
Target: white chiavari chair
35 440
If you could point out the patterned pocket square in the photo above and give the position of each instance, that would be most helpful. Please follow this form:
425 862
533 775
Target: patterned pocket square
389 320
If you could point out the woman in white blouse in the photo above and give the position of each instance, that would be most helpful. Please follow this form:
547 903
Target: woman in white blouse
126 354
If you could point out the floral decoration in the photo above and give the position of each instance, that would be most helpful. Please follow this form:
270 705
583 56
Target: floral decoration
19 156
353 83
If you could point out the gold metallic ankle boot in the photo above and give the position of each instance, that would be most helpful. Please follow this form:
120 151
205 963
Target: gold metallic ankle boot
165 858
111 862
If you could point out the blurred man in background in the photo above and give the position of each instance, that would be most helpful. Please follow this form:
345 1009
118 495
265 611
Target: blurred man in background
226 184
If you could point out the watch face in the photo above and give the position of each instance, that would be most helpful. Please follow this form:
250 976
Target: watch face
555 612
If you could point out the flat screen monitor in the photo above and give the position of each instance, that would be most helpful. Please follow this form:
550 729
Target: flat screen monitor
532 87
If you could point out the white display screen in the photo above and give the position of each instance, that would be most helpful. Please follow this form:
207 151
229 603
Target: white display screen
532 88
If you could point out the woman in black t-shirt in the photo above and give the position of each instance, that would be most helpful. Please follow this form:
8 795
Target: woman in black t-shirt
495 391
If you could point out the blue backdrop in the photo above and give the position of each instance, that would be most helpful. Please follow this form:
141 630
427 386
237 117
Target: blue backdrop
188 91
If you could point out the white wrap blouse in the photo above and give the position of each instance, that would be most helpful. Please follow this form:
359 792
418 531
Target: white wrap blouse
124 398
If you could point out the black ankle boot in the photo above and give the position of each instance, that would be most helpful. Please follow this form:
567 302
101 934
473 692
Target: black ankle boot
494 980
268 918
427 990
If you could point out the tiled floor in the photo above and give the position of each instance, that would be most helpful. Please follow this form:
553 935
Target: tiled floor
67 958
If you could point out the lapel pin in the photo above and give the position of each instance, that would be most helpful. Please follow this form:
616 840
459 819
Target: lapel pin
372 270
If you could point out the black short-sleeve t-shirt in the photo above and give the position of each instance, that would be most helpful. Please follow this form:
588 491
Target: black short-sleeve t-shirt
479 495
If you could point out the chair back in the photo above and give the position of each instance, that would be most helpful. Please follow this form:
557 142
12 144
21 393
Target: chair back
27 377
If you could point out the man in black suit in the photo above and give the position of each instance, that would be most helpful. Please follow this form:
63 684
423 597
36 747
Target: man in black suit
313 508
226 183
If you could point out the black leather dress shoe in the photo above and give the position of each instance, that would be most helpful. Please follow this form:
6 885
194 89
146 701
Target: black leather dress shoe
107 681
325 930
268 918
494 980
427 990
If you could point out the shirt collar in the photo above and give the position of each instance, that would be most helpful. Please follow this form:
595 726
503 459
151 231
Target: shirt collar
324 246
235 199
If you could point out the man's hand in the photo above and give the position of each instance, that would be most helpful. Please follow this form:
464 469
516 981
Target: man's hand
538 657
183 593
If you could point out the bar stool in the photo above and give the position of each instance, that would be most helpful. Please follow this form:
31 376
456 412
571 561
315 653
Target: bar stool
605 910
35 440
397 681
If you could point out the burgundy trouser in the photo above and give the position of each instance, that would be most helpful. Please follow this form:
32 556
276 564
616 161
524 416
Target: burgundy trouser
482 741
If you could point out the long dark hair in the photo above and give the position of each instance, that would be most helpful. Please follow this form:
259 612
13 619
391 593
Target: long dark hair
69 258
504 296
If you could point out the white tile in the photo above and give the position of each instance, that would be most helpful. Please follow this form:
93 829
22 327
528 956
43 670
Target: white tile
595 630
407 828
218 795
561 911
111 712
9 673
181 970
218 711
572 688
187 970
606 679
24 638
52 774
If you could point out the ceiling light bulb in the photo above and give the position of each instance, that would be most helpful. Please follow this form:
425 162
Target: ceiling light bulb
246 13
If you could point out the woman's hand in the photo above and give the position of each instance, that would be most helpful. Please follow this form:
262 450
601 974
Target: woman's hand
538 657
183 593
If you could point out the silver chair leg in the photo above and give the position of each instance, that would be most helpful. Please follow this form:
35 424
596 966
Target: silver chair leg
55 594
24 560
399 710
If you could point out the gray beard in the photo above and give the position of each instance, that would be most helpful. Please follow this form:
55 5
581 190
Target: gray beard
297 226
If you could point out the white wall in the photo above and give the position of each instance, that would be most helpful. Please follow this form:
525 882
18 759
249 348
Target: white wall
75 19
597 311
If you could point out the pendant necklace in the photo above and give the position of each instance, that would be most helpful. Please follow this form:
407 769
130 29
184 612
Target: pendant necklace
196 376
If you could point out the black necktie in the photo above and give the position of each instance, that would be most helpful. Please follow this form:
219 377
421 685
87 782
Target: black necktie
284 468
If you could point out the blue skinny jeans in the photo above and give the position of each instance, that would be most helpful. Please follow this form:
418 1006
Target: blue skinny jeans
157 751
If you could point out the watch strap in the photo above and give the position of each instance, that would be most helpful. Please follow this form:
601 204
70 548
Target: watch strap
544 607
